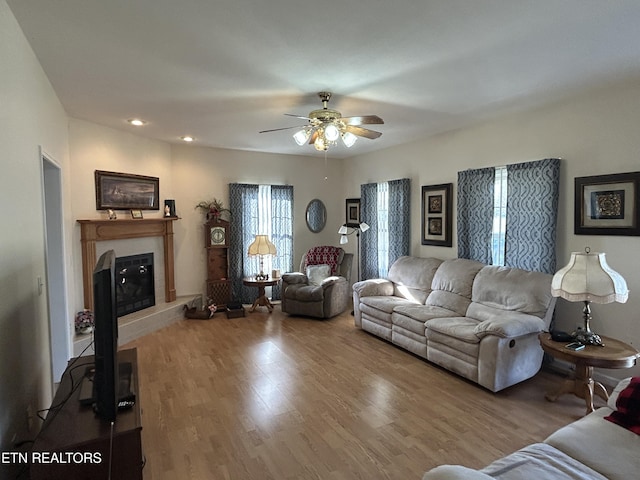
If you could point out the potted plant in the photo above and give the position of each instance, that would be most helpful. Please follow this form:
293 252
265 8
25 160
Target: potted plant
213 209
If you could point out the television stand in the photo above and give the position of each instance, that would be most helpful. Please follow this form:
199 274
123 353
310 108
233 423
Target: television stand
75 434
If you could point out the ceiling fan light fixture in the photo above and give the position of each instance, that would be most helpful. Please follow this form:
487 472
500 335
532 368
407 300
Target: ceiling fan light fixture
301 136
348 139
331 132
320 144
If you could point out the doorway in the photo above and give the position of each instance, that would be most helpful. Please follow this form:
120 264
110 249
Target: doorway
55 282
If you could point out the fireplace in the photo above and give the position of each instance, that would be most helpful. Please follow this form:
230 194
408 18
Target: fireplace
135 284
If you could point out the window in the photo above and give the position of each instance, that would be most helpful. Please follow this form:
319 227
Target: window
383 228
259 209
385 207
499 228
508 215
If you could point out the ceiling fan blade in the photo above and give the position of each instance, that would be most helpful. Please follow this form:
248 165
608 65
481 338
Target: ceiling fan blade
363 120
363 132
313 137
284 128
297 116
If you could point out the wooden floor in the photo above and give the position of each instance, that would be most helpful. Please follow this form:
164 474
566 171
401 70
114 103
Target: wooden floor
270 396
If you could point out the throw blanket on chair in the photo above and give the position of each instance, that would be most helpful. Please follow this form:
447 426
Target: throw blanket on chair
324 256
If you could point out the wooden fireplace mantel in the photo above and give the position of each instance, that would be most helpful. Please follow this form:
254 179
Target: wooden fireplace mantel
92 231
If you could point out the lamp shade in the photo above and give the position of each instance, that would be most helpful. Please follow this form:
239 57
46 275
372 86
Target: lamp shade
343 230
301 136
262 246
588 278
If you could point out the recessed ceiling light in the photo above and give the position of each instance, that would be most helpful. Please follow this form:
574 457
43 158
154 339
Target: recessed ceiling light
187 138
137 122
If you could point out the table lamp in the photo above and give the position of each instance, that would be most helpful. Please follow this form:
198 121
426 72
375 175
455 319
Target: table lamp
261 246
587 278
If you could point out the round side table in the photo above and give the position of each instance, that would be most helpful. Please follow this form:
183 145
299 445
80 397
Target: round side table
614 354
262 299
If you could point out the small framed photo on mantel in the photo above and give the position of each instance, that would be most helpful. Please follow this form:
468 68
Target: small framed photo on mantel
607 204
136 214
436 214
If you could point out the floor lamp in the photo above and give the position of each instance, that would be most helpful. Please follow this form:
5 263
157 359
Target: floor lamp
344 238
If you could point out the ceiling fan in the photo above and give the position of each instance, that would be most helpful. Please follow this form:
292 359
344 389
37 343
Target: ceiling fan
327 125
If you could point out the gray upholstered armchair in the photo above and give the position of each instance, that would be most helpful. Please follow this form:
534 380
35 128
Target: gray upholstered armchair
322 286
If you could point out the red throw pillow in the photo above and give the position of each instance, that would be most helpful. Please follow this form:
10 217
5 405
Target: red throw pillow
627 412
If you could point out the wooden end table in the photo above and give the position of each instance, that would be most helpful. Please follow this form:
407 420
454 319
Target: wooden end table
262 299
614 354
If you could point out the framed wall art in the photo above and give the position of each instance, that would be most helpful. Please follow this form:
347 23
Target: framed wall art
123 191
607 204
436 214
352 213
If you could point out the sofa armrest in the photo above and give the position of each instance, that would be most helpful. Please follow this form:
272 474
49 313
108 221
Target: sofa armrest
373 287
510 325
294 277
455 472
327 282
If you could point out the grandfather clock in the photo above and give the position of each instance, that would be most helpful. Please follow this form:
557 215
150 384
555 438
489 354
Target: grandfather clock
216 238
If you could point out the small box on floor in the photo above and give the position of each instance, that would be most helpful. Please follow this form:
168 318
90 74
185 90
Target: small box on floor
235 310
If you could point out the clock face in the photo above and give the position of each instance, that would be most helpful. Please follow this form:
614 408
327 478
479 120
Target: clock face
217 235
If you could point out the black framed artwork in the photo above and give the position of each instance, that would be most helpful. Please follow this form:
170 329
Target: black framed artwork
124 191
436 215
607 204
352 212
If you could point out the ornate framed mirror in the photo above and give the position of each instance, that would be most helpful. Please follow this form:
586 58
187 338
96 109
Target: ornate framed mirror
316 215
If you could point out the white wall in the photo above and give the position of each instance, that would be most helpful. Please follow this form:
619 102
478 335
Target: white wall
94 147
203 173
594 133
190 174
30 117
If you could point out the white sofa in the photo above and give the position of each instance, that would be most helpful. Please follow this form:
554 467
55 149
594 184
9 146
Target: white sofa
481 322
591 448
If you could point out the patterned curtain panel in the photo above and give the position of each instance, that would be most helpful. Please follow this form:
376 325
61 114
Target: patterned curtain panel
532 212
475 214
282 231
399 218
396 231
243 203
369 239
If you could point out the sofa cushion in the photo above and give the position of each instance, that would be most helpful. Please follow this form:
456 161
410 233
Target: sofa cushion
304 293
412 277
513 289
452 285
603 446
460 328
422 313
540 461
383 304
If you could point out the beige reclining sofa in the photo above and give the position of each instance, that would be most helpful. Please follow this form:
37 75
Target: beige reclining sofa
481 322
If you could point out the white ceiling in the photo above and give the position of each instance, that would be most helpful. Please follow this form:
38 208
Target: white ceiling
222 70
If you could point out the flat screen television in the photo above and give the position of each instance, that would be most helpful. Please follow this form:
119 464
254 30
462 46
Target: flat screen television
105 337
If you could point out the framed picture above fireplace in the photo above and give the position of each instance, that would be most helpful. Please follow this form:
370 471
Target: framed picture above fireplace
124 191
